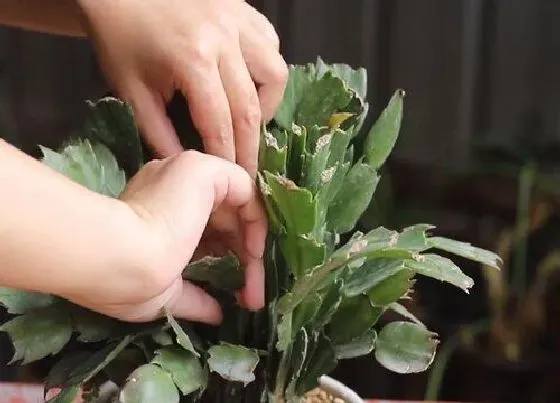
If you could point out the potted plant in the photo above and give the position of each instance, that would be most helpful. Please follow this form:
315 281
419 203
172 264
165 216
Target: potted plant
518 338
326 286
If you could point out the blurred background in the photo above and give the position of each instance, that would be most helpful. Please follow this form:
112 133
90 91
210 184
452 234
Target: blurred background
478 156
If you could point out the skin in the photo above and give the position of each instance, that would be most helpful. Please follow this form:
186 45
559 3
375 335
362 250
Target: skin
222 55
124 257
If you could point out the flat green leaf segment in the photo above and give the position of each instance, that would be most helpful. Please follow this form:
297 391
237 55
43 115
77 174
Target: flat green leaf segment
405 347
233 362
90 165
324 297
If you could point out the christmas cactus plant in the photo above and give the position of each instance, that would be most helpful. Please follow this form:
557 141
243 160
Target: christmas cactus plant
326 286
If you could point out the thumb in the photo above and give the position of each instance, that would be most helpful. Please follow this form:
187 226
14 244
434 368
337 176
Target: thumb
152 120
191 303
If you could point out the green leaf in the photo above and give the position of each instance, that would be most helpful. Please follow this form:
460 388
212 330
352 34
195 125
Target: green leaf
330 302
39 333
440 268
405 347
354 317
296 153
96 362
349 155
298 356
93 327
220 272
302 253
353 198
66 395
306 312
404 312
316 161
276 225
60 372
184 367
233 362
375 244
466 250
273 152
119 368
324 97
361 345
338 147
355 79
383 135
321 361
149 383
162 338
332 180
90 165
391 289
182 337
284 332
370 274
414 238
294 203
18 302
299 81
111 122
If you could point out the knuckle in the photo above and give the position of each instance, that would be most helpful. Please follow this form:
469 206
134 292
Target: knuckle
280 73
200 50
226 24
250 117
190 157
271 33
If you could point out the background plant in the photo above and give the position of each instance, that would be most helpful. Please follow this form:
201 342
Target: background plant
515 327
326 286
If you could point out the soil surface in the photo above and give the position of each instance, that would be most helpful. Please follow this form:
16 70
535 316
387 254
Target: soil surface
320 396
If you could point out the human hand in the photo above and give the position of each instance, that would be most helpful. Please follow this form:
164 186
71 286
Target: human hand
169 203
221 54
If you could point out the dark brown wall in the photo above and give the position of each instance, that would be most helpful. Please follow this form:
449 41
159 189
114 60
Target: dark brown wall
471 68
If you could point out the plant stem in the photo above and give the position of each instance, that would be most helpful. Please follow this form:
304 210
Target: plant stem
282 374
522 225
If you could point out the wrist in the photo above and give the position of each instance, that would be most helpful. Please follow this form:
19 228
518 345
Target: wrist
60 238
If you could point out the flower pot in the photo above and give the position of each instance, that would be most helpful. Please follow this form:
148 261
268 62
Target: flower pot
33 393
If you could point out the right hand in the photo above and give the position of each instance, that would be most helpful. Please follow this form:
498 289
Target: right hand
169 204
223 55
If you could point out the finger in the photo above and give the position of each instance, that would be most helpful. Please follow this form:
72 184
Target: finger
245 108
191 303
255 225
252 295
267 68
245 235
209 108
219 183
152 120
261 24
233 188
